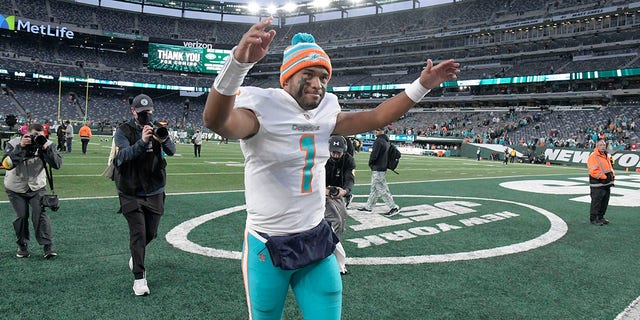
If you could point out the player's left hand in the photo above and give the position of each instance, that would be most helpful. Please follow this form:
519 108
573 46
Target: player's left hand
432 76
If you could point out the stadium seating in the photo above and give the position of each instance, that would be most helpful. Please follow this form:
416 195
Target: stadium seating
365 50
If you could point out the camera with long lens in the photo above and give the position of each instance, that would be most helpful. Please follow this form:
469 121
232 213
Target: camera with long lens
37 142
334 191
160 130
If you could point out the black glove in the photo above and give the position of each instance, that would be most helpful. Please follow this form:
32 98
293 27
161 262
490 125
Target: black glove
610 177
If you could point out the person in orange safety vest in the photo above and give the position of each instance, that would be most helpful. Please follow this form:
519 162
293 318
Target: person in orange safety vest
601 179
85 135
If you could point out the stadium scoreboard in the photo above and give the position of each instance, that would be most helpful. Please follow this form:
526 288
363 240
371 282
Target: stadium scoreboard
186 59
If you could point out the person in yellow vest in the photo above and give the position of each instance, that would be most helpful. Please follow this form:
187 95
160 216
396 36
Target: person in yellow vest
601 179
512 156
85 135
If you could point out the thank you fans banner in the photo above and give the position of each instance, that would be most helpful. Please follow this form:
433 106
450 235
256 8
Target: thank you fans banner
186 59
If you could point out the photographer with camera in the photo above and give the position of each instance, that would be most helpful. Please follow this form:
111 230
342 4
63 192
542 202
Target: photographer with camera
340 179
25 183
140 179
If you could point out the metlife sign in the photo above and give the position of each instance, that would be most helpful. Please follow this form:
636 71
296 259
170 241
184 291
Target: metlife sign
49 30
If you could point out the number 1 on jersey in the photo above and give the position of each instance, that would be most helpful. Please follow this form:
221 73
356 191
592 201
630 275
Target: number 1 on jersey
308 145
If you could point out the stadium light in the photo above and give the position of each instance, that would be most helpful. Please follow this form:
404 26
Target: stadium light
290 7
320 3
272 9
253 7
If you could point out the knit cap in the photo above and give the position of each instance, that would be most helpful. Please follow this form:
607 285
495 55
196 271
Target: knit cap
303 53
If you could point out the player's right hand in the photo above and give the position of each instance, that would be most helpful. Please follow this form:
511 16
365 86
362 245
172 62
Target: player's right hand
255 43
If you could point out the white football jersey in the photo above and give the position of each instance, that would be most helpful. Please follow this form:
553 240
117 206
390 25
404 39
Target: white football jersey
284 162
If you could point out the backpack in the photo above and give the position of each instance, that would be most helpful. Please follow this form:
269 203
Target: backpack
393 158
108 171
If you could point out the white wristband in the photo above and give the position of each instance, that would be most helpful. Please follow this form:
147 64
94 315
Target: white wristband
415 91
230 78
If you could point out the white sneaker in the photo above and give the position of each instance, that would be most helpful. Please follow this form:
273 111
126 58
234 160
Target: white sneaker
140 287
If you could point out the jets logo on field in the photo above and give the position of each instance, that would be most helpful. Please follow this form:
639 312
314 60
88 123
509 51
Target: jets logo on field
428 229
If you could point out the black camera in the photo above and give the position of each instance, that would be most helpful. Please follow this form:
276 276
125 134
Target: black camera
50 201
160 131
37 141
334 191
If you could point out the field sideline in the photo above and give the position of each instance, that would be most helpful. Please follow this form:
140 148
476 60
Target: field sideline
474 240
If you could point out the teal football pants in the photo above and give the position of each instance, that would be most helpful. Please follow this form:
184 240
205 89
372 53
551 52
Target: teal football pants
317 287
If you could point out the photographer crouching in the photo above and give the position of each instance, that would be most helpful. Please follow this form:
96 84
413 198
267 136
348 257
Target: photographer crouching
340 179
25 183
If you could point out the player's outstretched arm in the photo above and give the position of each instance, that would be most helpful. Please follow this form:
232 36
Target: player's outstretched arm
219 114
392 109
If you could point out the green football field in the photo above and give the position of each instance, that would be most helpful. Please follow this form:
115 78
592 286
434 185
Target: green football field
474 240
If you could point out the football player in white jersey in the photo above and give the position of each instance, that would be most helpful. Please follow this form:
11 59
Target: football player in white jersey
284 136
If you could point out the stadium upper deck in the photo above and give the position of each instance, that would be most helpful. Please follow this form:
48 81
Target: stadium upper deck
492 39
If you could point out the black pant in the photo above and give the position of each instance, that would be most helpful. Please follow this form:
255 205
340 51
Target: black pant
143 216
196 149
85 142
599 202
21 203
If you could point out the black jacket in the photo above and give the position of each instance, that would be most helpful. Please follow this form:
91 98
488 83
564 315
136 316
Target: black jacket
139 166
378 158
339 172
